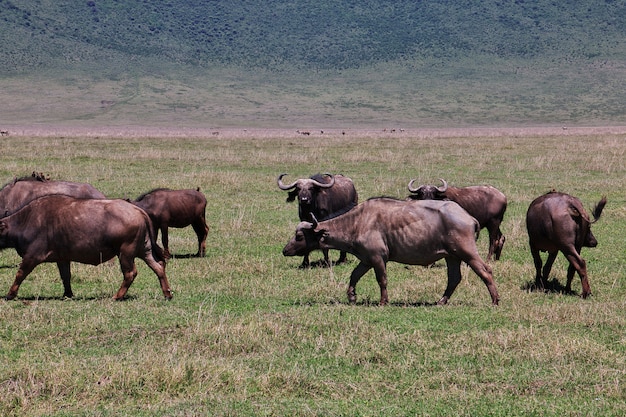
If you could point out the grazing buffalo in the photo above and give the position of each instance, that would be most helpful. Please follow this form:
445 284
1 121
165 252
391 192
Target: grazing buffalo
176 208
324 196
63 229
484 202
558 222
408 232
20 191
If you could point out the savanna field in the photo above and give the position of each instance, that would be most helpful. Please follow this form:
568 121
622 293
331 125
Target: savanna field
249 333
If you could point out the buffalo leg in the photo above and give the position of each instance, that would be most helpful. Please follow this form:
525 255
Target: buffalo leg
577 263
486 275
356 275
454 277
342 257
326 257
380 269
496 242
202 231
66 275
539 283
545 274
129 269
23 271
159 269
305 262
165 239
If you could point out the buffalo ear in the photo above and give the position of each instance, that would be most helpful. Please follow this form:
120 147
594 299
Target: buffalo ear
291 196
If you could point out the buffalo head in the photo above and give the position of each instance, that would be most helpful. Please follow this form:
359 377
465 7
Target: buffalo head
305 239
428 192
305 188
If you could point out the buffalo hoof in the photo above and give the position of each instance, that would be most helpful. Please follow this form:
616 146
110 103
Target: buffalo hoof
443 301
9 297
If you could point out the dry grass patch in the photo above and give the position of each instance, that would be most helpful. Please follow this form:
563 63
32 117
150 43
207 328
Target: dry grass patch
248 333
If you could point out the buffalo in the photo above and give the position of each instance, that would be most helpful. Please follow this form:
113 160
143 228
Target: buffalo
63 229
324 196
19 191
484 202
409 232
558 222
176 208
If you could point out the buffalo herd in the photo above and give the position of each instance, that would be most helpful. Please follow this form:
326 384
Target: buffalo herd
64 222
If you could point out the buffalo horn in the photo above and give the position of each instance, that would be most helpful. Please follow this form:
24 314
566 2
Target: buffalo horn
322 185
444 187
410 187
283 186
313 221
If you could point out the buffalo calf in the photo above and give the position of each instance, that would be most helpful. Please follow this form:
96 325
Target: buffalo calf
485 203
64 229
558 222
176 208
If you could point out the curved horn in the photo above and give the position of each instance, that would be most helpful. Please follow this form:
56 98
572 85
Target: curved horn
322 185
444 187
410 186
313 221
283 186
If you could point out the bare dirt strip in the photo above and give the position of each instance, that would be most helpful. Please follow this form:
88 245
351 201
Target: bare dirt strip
243 132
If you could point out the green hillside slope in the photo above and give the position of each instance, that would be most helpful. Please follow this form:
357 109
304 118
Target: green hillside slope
291 62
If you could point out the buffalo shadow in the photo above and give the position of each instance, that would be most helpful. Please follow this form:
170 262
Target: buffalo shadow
553 286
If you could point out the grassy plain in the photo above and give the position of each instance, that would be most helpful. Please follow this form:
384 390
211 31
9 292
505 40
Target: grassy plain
248 333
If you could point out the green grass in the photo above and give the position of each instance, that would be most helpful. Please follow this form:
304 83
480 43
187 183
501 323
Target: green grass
248 333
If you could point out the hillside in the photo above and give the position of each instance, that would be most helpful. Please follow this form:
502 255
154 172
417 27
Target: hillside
289 63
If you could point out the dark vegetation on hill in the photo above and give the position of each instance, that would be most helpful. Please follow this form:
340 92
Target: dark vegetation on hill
294 37
304 33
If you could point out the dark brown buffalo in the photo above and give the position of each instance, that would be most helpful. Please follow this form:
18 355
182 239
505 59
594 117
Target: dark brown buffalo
408 232
325 196
18 192
558 222
484 202
176 208
65 229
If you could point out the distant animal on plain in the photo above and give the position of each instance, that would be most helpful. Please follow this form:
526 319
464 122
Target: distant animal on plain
486 203
558 222
63 229
409 232
176 208
323 195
